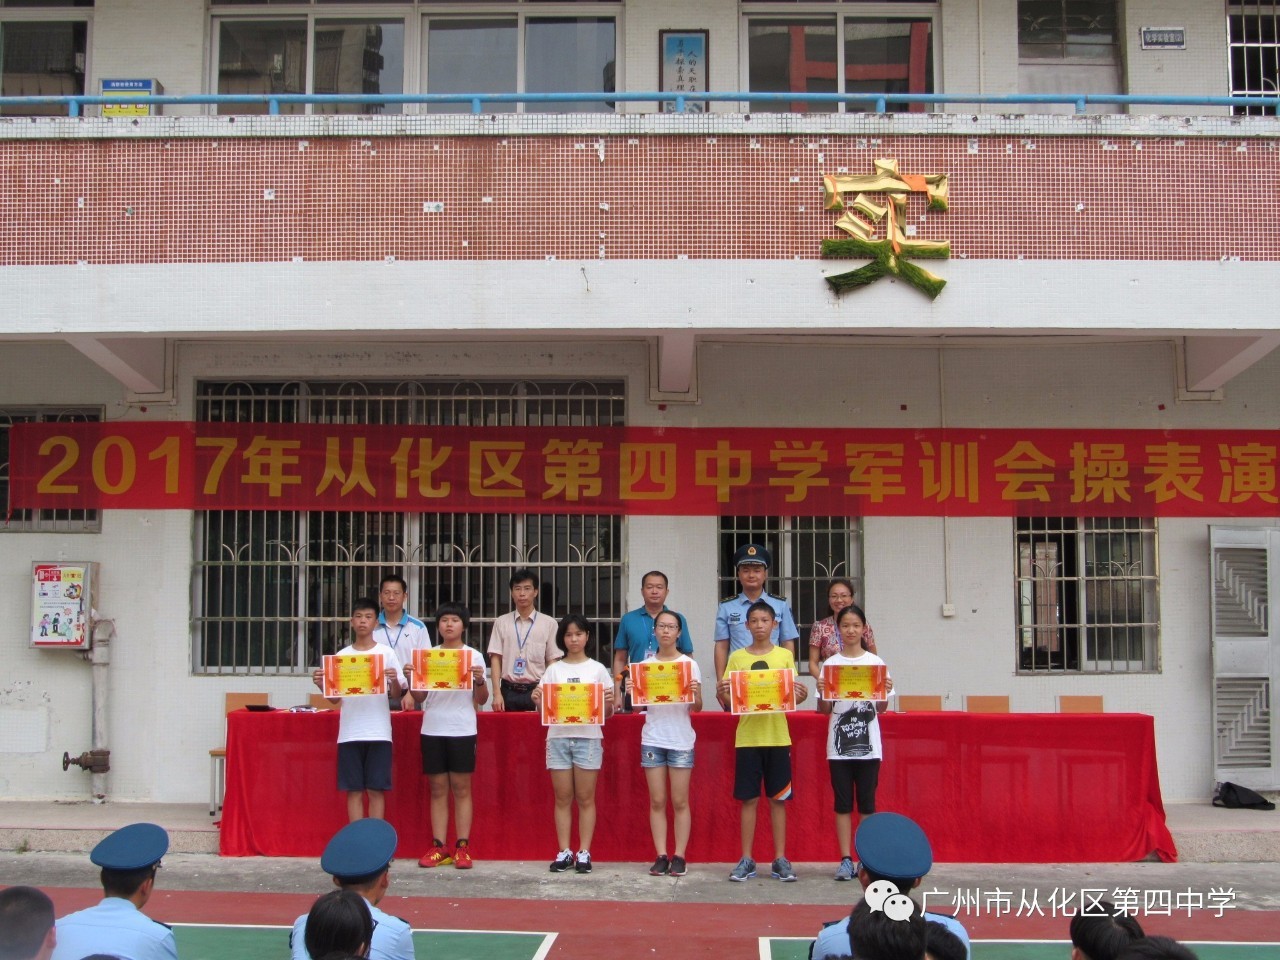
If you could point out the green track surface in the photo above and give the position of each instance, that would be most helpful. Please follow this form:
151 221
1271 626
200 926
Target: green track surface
196 942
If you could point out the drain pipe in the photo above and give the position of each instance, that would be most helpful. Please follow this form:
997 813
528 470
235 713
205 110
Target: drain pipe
97 760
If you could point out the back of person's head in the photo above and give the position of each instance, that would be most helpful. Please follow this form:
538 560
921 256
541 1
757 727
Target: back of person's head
874 935
26 917
1103 932
339 925
124 883
363 603
1156 948
941 944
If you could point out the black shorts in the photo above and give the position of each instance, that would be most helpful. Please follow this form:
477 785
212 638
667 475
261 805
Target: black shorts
848 774
364 765
448 754
752 765
518 697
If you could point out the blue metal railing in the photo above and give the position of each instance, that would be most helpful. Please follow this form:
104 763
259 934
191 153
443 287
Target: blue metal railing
680 102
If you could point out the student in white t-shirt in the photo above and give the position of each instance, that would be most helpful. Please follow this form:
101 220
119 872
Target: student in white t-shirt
575 752
364 722
666 754
449 743
853 737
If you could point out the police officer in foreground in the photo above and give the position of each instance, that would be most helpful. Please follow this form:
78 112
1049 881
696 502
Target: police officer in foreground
129 859
751 563
359 858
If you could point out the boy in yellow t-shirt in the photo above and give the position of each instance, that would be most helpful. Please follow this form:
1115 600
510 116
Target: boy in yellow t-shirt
763 747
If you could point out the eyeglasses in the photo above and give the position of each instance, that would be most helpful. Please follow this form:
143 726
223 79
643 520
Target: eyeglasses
666 626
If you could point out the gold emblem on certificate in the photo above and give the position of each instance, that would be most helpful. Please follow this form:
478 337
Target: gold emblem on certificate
442 669
572 704
661 681
762 691
354 675
847 682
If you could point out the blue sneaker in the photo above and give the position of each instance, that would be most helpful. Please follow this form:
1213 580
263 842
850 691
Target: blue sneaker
846 870
782 870
744 871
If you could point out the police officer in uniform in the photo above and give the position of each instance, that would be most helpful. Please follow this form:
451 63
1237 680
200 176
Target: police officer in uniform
359 858
751 563
129 859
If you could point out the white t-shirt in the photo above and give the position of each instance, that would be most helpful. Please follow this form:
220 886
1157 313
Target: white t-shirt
853 730
368 717
589 671
450 713
667 725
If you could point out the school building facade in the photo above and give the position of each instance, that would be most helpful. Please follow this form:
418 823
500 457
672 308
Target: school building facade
1093 283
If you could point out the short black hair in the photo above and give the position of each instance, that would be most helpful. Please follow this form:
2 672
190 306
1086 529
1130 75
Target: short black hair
1103 932
458 610
904 884
26 917
363 603
655 573
339 924
761 605
394 578
1156 948
523 575
125 883
941 944
874 935
576 620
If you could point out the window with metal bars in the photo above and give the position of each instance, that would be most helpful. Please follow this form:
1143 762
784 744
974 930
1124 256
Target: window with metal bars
43 521
273 589
807 553
1087 594
1253 32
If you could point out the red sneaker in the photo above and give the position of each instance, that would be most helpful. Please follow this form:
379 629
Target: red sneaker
436 857
462 857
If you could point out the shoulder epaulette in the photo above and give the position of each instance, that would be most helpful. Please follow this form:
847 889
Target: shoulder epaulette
778 596
732 596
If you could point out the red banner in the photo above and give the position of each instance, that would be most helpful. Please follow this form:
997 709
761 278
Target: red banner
644 471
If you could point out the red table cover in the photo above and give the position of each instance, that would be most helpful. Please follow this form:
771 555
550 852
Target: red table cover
987 788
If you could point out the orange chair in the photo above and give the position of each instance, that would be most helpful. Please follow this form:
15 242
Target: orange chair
986 704
1079 704
218 755
919 703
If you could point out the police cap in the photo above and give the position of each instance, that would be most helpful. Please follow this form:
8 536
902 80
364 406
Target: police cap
892 845
752 553
135 847
360 849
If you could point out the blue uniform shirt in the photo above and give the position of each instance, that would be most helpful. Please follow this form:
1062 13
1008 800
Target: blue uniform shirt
636 636
392 938
115 926
731 621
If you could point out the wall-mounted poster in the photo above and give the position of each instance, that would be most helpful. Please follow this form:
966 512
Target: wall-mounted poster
682 66
62 604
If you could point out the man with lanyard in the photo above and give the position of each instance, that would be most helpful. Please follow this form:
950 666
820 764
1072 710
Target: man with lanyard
751 563
521 646
398 630
636 640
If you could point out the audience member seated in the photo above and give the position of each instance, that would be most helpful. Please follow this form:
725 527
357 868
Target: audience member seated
889 847
875 935
1156 948
26 924
339 926
941 944
1103 933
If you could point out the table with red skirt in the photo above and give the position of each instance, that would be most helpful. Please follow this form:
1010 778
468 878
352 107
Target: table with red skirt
986 788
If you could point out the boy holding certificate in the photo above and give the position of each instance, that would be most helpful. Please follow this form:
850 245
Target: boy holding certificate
364 721
763 740
451 689
575 697
853 733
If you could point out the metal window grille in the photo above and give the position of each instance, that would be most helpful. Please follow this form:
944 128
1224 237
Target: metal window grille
807 552
1253 42
1087 594
273 589
43 521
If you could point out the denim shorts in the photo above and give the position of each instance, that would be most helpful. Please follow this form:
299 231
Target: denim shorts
565 753
665 757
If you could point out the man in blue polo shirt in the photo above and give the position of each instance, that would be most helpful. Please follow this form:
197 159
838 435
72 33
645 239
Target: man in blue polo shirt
636 640
894 848
399 630
751 563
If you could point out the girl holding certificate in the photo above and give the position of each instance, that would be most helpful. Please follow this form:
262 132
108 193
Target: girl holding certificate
666 744
853 733
575 697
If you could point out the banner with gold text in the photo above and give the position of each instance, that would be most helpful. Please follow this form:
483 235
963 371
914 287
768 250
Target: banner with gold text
645 471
